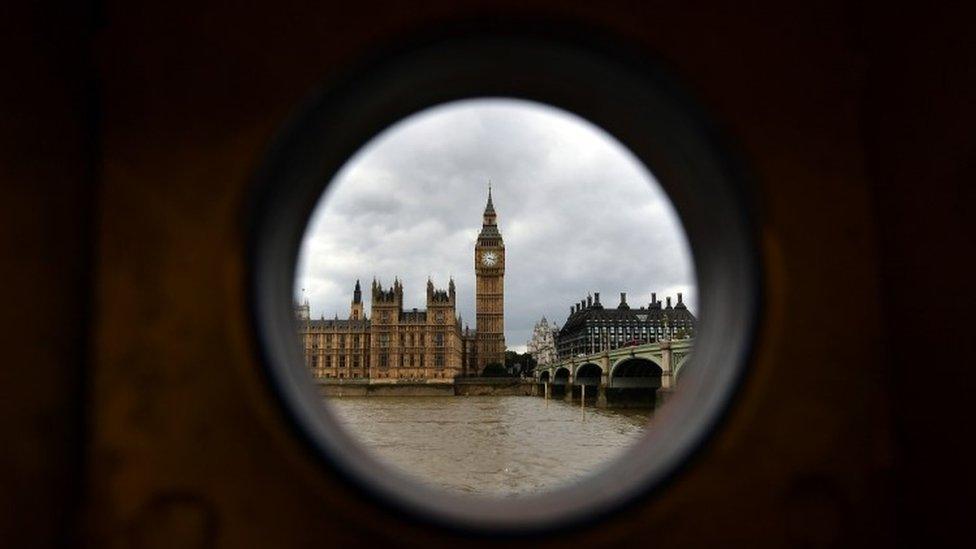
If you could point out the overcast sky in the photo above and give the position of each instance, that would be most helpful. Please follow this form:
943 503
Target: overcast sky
577 211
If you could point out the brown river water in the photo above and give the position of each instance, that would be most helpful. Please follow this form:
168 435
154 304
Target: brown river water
491 445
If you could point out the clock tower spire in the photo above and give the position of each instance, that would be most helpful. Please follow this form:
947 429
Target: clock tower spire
489 268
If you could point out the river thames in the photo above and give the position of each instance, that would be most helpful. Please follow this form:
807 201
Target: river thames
490 445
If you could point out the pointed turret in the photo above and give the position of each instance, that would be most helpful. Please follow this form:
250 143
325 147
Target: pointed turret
303 311
489 208
356 309
489 226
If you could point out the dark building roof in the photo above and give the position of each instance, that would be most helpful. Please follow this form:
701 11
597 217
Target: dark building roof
339 324
490 208
590 310
414 316
489 229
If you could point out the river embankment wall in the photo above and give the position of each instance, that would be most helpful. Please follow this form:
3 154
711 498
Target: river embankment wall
495 387
460 387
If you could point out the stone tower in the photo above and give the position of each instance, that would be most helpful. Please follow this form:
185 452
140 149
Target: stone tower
386 310
356 309
489 268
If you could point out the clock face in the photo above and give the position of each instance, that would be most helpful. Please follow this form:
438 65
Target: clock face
489 259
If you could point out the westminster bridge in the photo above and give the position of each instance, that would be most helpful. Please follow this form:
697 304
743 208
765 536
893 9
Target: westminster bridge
640 375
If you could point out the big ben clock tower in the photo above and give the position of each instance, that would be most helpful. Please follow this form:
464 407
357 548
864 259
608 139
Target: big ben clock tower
489 268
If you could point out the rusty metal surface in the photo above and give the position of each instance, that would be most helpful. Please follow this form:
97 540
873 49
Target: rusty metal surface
186 446
47 176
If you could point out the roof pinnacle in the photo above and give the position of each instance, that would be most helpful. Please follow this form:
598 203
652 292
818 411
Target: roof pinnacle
490 207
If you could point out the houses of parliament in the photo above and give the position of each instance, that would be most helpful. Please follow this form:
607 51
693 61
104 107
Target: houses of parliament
397 344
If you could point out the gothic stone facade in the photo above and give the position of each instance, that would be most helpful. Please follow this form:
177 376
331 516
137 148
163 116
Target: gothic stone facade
414 345
542 345
393 343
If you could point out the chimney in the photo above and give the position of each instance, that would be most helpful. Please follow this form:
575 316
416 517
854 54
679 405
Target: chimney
679 298
589 301
669 302
623 298
596 298
653 298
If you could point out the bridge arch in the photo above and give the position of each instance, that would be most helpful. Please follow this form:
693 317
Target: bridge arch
679 364
634 381
560 382
587 367
636 371
588 374
655 361
561 375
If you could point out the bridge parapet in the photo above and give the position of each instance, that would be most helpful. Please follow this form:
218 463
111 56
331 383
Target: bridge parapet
623 381
670 356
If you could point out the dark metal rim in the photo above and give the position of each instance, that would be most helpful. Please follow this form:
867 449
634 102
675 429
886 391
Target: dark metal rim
628 97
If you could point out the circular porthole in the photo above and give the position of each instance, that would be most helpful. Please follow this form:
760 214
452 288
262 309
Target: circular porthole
621 95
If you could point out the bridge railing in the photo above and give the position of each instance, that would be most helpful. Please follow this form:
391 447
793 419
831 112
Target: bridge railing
636 350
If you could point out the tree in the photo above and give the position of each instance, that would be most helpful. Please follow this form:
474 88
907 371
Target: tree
495 369
519 363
